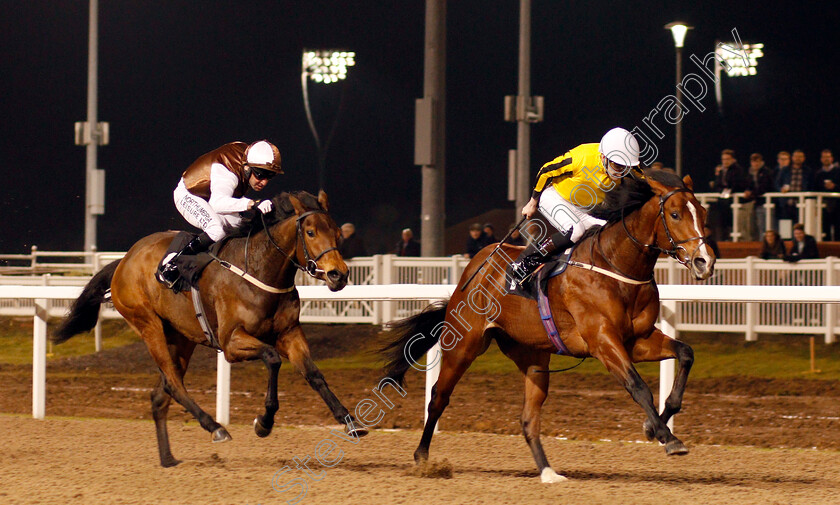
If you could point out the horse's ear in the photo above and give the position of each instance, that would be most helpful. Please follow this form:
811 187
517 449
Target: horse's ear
322 199
299 208
657 187
688 182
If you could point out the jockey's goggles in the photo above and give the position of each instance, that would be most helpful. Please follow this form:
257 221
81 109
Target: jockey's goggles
262 174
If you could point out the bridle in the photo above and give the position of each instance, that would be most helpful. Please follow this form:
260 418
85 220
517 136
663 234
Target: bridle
675 245
311 266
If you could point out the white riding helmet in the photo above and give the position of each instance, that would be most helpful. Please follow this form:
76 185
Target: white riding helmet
620 147
263 155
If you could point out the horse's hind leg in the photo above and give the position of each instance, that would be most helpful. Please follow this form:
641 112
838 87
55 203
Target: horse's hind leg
615 357
533 365
172 352
160 409
292 344
658 347
264 423
454 362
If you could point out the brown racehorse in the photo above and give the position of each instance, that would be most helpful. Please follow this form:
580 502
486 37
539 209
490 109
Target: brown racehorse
250 322
596 315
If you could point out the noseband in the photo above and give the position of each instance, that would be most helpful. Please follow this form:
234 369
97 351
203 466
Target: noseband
675 245
311 266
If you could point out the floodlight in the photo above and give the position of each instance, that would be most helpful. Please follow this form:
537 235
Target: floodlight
327 66
678 30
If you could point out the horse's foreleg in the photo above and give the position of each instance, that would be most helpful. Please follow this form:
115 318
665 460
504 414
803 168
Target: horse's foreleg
658 347
292 344
616 359
264 423
242 347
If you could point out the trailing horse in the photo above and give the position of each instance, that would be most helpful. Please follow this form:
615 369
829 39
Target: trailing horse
605 306
256 319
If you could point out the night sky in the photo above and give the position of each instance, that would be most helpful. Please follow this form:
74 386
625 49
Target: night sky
179 78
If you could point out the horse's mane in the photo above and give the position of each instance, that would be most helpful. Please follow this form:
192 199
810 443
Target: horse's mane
283 209
629 196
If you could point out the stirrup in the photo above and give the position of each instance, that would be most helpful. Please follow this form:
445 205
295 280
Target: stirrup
168 275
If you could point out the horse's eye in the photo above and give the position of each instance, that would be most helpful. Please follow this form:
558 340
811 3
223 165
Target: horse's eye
674 215
311 233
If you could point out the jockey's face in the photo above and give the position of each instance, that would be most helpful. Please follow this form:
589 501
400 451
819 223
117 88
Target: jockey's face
257 184
614 170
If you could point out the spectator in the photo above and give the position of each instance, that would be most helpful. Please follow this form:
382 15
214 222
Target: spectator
729 178
490 234
827 179
772 247
516 238
475 242
794 177
710 241
760 179
407 246
350 245
803 247
782 161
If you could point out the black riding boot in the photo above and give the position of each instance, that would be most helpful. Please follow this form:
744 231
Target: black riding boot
534 256
169 272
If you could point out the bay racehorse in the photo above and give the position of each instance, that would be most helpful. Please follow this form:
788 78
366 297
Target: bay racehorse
607 312
250 322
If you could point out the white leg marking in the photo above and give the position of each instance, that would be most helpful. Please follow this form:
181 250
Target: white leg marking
549 476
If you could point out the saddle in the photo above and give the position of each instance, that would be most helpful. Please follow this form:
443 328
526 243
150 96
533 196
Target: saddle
538 280
189 266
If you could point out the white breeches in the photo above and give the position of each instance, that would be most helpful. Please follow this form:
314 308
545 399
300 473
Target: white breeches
564 215
198 212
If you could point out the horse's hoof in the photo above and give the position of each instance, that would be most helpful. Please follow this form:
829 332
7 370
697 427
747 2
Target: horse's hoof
355 432
549 476
221 435
650 431
169 462
421 457
675 448
261 430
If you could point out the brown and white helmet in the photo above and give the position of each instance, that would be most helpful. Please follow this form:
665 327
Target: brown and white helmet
263 156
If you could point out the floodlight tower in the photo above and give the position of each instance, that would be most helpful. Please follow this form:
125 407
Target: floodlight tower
323 67
678 30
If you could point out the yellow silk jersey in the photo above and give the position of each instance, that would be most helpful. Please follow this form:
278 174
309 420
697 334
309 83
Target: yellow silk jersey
578 176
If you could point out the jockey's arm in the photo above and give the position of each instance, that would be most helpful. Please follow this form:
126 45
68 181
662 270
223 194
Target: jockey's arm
223 183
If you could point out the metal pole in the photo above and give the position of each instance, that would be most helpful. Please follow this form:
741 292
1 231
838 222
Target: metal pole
90 159
434 88
678 152
523 127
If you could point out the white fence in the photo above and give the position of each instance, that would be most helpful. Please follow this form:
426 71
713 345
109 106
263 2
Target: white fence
669 295
709 316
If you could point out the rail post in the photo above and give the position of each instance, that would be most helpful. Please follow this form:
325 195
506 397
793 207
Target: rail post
752 308
830 308
668 325
39 359
222 389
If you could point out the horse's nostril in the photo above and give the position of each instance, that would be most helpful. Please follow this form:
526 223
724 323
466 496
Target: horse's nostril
699 263
334 275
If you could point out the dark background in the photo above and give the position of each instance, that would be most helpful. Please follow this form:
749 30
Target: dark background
179 78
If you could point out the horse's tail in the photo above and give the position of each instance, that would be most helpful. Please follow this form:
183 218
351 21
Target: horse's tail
85 310
412 338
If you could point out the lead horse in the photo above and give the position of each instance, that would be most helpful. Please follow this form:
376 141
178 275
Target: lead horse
605 306
251 322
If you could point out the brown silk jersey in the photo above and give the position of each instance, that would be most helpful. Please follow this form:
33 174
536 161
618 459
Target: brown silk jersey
232 156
